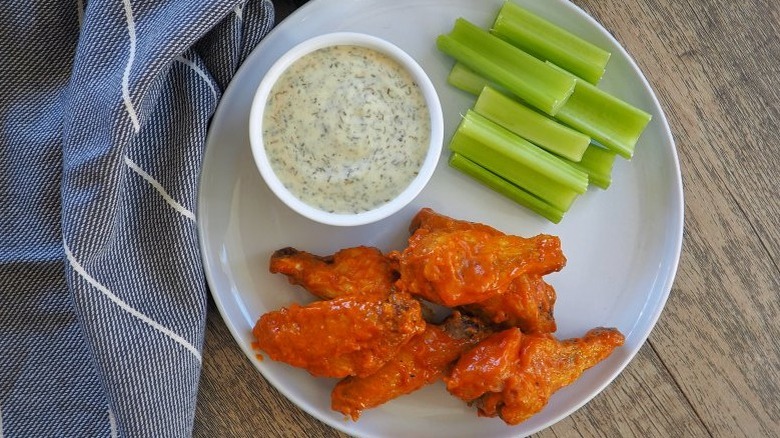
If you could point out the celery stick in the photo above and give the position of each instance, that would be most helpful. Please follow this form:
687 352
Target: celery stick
514 148
530 79
612 122
506 188
548 190
464 78
468 80
531 125
597 163
550 42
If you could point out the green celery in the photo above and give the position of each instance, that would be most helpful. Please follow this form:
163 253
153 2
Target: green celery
531 125
506 188
549 190
515 149
597 162
612 122
530 79
550 42
466 79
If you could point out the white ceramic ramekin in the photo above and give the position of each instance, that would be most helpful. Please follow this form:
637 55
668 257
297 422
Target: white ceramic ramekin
415 186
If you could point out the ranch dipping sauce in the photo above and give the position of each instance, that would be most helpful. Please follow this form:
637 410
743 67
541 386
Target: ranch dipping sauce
346 128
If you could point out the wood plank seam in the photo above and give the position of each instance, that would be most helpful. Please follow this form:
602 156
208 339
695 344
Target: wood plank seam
679 387
758 234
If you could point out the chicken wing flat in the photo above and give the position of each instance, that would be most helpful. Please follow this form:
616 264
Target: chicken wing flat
421 361
527 304
512 375
345 336
458 267
362 270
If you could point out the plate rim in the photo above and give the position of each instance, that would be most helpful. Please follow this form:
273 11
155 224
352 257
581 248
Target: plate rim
676 214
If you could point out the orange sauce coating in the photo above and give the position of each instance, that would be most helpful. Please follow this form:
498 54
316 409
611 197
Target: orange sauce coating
341 337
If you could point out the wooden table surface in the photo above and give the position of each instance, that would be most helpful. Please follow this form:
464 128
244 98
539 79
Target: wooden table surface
711 366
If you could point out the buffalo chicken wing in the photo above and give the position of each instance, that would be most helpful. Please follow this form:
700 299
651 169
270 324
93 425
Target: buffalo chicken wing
457 267
362 270
423 360
345 336
526 303
512 375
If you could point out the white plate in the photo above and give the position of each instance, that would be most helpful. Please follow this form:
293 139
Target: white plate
622 245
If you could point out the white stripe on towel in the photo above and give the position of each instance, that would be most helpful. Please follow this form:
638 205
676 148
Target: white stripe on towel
126 307
112 424
172 202
126 75
200 73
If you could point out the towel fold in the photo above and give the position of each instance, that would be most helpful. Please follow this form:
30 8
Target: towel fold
104 110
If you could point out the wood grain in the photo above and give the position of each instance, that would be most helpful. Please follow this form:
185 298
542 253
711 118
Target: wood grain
712 365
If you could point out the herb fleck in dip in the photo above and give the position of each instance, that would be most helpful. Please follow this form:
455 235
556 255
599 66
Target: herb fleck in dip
346 128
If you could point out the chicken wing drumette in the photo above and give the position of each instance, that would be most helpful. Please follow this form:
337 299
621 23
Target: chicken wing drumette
362 270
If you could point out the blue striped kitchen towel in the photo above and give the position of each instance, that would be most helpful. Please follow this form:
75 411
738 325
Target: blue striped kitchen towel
104 107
